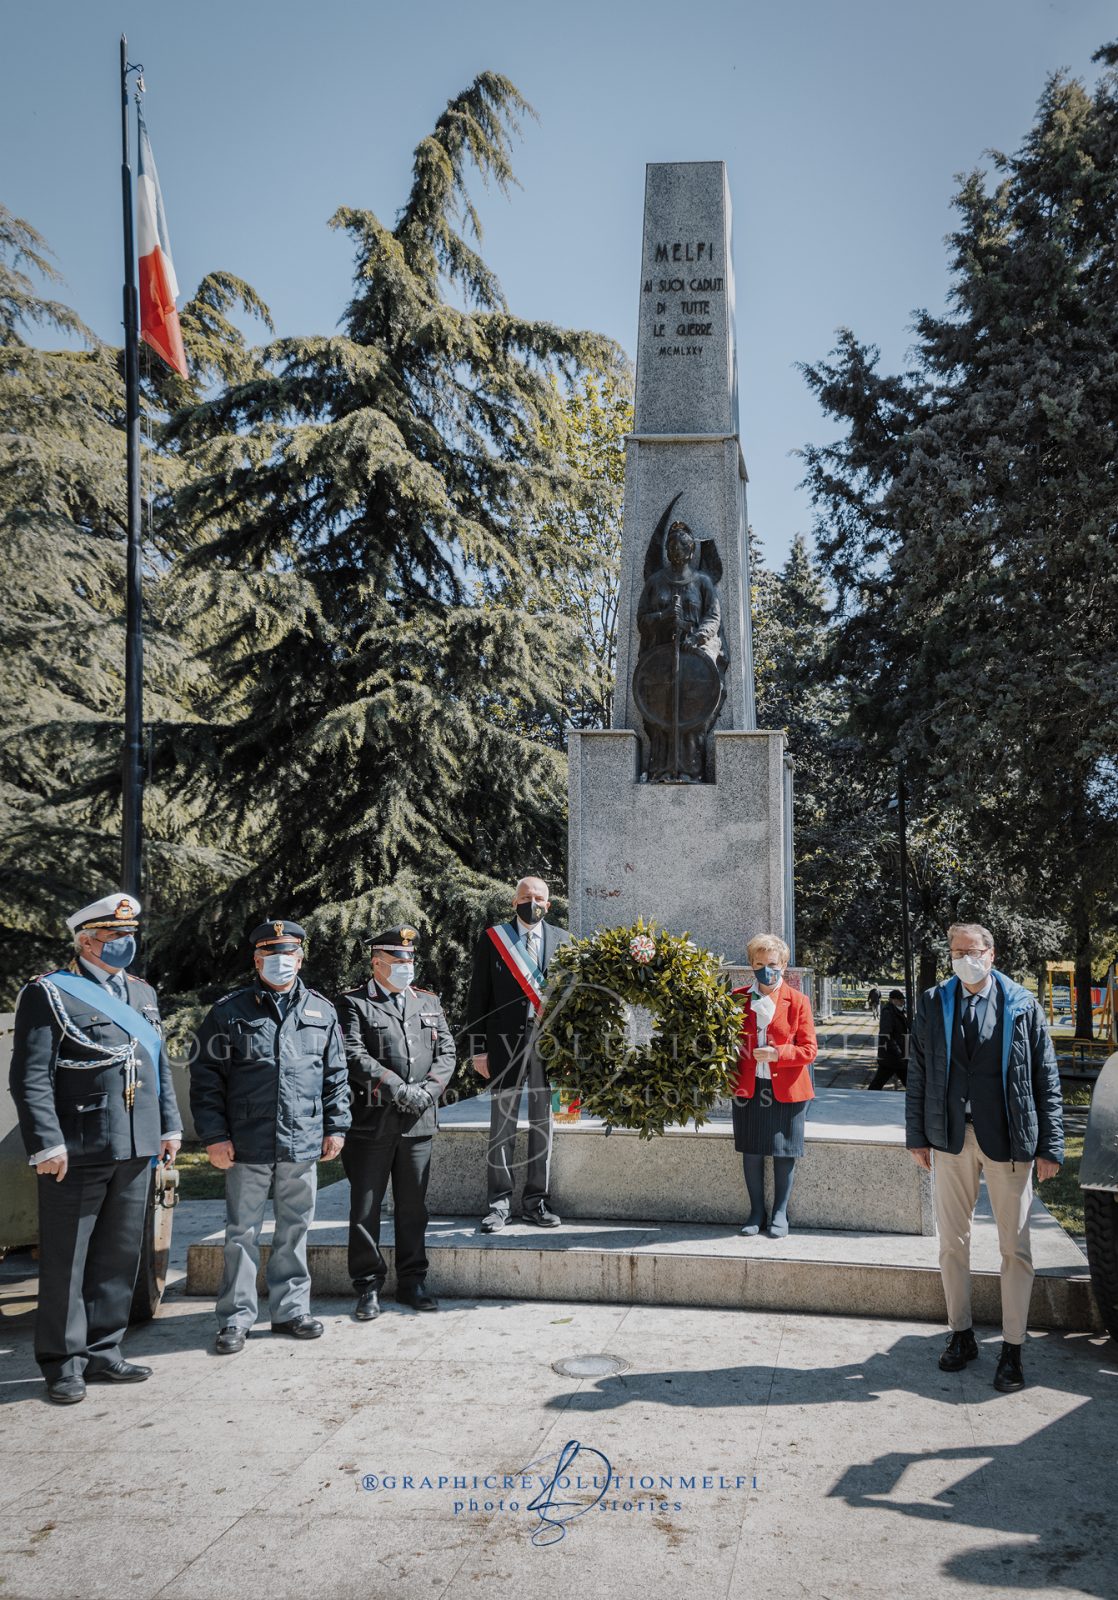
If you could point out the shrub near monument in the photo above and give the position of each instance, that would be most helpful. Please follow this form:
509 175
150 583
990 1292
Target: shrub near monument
598 988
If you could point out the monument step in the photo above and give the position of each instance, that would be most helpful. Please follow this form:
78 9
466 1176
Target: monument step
855 1173
697 1264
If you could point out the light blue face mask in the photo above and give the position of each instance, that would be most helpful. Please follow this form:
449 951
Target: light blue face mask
401 973
767 975
279 970
118 952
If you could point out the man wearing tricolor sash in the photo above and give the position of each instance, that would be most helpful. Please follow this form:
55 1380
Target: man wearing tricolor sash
510 967
92 1085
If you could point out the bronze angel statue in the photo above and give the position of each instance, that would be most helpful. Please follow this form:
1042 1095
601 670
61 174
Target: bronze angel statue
679 681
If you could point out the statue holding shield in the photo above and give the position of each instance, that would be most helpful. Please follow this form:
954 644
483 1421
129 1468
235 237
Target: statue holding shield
678 684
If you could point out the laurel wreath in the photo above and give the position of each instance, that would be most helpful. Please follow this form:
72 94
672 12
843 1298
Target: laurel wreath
584 1039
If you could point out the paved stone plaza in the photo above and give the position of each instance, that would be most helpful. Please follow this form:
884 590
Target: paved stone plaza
840 1461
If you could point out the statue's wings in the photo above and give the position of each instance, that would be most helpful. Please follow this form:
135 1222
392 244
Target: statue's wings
654 555
710 561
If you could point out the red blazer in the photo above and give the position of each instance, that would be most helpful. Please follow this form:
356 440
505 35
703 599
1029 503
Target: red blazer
792 1032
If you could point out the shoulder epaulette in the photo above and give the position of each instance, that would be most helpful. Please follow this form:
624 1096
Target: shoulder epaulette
232 995
357 990
418 990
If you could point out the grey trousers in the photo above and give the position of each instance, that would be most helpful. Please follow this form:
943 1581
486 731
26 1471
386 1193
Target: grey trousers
504 1104
288 1277
91 1230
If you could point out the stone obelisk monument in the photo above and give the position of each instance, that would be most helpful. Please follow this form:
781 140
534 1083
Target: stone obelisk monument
681 813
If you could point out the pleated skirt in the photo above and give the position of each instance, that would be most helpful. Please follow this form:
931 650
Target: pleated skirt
775 1129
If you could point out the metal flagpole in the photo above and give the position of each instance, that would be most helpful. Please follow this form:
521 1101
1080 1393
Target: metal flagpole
906 928
132 774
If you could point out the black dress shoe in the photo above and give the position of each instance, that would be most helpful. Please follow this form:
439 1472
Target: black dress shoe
493 1222
1009 1376
961 1348
65 1391
229 1341
539 1216
119 1372
304 1327
418 1296
368 1306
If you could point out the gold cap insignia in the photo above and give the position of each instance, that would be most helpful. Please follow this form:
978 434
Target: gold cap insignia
123 909
278 926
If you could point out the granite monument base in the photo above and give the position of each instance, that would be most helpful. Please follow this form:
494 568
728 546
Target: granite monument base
706 859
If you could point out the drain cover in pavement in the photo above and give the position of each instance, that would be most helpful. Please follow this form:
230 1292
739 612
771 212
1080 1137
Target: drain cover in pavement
590 1366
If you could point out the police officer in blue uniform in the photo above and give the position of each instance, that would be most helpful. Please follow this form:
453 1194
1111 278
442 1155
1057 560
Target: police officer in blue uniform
270 1098
401 1056
92 1085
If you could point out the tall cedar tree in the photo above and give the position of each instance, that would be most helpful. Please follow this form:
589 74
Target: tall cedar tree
62 510
847 843
967 520
366 515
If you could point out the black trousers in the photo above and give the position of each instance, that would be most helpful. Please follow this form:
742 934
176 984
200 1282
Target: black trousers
889 1066
370 1158
91 1232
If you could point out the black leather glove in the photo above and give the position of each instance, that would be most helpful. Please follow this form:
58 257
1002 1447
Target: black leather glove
412 1099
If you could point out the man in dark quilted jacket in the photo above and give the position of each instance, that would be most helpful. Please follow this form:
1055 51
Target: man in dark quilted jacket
983 1094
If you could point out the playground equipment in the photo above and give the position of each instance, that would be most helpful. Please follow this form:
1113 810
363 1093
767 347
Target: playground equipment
1098 1178
1060 981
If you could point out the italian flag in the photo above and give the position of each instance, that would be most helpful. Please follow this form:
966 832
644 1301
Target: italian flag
159 321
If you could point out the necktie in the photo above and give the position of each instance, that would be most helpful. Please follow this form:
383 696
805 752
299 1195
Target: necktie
532 940
118 986
970 1024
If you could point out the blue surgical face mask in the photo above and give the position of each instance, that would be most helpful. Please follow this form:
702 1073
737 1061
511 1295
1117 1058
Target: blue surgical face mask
118 952
401 973
279 970
767 975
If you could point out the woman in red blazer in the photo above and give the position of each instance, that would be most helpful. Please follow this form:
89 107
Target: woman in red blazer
778 1045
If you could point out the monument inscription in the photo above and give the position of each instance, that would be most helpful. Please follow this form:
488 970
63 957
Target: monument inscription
681 812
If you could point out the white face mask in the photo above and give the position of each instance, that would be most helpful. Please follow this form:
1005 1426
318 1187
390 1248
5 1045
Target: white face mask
401 973
970 969
279 970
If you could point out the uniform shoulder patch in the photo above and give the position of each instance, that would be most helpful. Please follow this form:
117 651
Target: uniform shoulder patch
418 990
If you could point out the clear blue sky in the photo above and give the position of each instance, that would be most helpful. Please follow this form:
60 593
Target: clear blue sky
842 123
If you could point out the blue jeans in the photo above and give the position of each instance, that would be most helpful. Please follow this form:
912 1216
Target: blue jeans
288 1277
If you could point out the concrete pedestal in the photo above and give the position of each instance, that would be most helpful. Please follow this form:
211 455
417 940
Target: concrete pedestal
706 859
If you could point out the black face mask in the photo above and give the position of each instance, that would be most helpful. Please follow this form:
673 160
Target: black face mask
530 911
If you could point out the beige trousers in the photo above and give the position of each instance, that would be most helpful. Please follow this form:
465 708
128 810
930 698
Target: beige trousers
1010 1187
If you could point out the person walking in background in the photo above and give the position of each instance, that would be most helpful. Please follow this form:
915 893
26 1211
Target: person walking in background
873 1000
892 1042
984 1094
769 1107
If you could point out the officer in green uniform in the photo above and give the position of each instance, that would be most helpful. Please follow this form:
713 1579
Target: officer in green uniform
270 1098
401 1056
92 1085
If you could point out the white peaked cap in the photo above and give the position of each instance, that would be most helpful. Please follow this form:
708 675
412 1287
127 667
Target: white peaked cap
113 911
